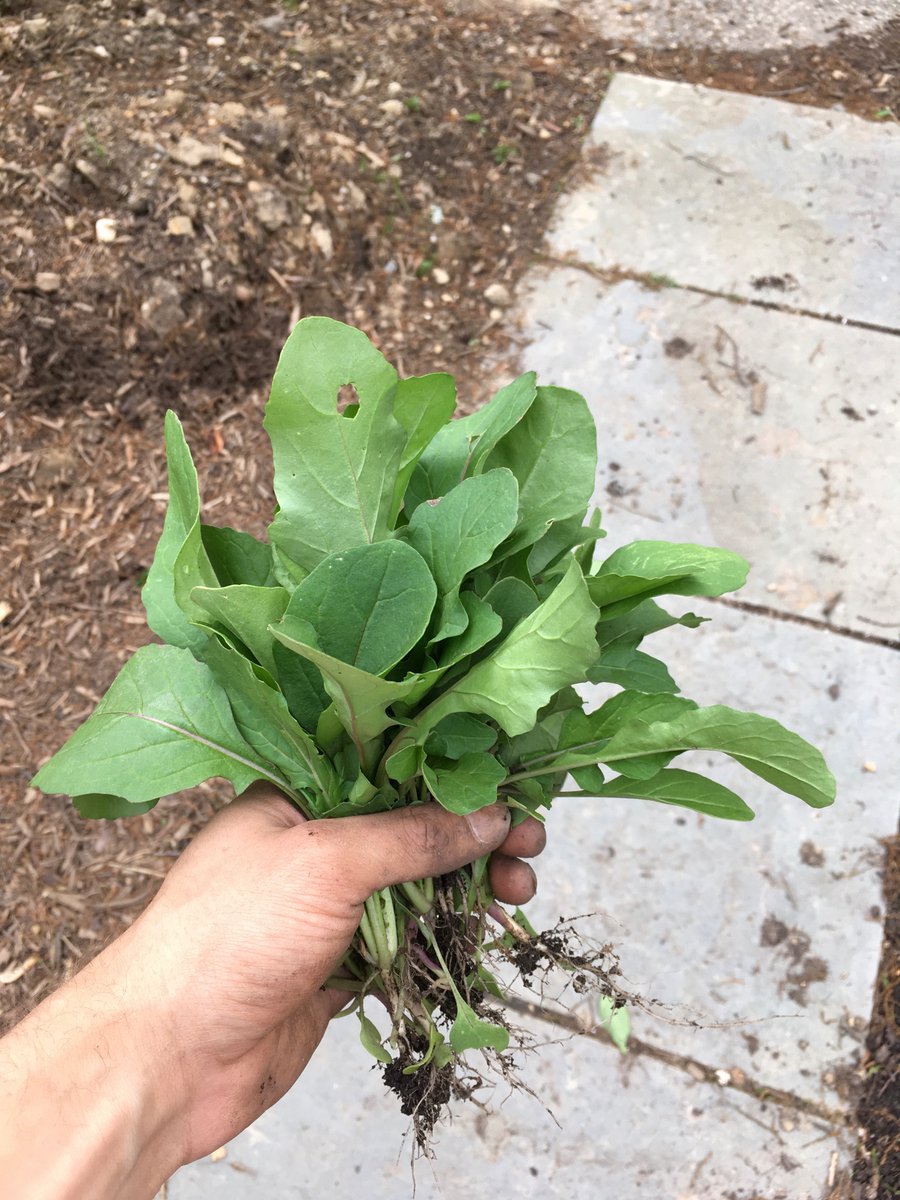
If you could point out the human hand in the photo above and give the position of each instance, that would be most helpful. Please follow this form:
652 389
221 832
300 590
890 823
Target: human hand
257 914
207 1009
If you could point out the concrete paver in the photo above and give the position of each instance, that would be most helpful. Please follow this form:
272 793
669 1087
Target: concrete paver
766 934
744 195
338 1134
775 435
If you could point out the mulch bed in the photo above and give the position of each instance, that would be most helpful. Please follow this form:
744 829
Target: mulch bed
387 165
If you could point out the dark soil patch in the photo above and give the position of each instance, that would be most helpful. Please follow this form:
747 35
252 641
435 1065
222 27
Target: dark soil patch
876 1173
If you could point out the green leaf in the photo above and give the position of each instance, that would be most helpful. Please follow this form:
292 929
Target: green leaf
583 737
182 523
461 448
615 1020
247 611
302 685
460 734
466 785
551 648
589 778
483 626
286 571
471 1033
632 668
513 600
334 476
635 572
758 743
552 452
361 700
584 555
96 806
560 538
632 627
682 788
423 405
368 606
404 764
371 1038
237 557
165 724
460 532
263 718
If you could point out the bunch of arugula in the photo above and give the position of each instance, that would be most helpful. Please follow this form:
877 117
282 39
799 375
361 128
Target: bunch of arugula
414 628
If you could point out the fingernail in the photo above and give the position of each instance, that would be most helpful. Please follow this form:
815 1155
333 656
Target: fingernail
489 825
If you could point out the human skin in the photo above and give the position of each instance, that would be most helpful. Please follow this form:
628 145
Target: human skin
205 1012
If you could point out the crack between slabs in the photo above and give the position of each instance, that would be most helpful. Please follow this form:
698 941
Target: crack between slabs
657 283
762 610
698 1071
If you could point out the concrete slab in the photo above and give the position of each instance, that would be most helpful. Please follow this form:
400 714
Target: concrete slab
628 1128
766 933
774 435
743 195
731 24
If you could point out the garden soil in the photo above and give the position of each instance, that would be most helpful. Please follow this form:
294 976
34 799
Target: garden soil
178 185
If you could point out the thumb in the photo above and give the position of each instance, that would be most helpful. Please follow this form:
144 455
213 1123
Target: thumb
413 843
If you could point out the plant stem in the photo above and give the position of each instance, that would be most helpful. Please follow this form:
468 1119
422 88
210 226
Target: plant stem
375 911
344 985
417 897
368 936
502 917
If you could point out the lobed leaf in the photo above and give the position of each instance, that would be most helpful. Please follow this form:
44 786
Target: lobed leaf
334 475
546 651
466 785
459 533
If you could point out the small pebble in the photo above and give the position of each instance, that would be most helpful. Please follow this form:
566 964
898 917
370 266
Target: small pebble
105 229
47 281
393 108
869 767
498 295
215 41
440 276
180 226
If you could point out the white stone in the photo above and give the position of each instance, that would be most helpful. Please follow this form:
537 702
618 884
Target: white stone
105 229
180 226
498 294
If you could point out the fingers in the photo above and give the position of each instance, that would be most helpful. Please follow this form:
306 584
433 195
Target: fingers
526 840
411 843
512 881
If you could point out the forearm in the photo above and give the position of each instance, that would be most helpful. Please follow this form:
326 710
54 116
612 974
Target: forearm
84 1107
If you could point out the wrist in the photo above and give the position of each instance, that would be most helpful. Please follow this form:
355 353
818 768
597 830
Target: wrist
88 1069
